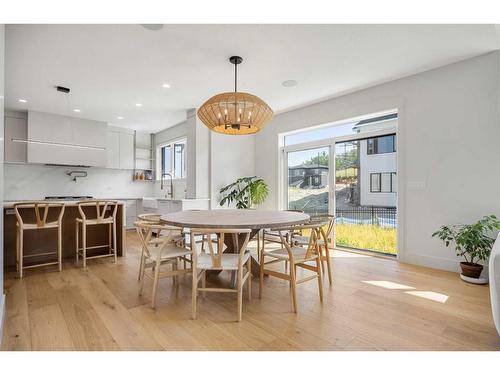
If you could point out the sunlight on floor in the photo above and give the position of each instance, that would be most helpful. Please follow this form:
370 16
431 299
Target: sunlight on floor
389 285
433 296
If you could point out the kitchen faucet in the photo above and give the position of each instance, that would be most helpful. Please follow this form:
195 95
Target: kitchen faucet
171 184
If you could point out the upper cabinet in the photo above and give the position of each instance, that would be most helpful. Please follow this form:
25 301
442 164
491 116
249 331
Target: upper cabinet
120 145
15 128
55 139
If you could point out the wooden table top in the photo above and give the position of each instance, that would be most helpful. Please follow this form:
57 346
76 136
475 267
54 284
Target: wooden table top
251 219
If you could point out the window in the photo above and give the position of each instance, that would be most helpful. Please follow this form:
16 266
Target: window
383 182
381 145
173 158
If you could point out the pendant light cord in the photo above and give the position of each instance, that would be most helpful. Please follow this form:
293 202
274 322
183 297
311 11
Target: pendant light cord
235 77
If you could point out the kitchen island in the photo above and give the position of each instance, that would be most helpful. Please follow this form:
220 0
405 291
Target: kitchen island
40 241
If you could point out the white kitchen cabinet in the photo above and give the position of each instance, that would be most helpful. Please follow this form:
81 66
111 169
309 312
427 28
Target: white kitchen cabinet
127 148
16 126
69 140
113 149
120 146
168 206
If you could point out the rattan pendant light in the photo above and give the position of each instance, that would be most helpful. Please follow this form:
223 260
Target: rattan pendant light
235 112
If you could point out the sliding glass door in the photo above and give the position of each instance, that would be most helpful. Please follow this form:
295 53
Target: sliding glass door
308 186
365 194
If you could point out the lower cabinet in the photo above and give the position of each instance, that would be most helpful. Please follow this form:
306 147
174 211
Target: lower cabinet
131 213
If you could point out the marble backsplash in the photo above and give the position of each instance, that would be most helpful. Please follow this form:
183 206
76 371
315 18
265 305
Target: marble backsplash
32 181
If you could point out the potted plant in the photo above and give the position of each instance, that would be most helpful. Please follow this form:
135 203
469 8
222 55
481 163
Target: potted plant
472 241
245 191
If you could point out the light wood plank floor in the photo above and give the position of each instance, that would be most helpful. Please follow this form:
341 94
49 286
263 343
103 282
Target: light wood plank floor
374 304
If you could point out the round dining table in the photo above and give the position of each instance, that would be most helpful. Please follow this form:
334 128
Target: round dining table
231 218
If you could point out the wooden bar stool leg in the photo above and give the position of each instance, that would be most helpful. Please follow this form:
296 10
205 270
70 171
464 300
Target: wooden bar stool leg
21 253
114 239
59 246
84 245
109 239
261 273
76 236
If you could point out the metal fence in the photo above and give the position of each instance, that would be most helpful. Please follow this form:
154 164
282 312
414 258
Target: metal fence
380 216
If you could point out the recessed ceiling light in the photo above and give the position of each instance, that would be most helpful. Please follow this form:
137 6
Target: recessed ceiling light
138 104
76 110
289 83
23 101
153 26
120 118
166 86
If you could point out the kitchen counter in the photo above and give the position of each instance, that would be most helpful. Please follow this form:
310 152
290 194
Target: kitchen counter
67 203
45 240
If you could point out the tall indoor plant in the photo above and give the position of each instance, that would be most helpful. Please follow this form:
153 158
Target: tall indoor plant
245 192
473 242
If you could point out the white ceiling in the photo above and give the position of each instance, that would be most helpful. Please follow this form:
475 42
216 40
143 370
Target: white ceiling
109 68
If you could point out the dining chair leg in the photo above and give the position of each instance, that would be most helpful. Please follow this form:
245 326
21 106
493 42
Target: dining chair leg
194 292
328 264
240 294
141 265
249 279
261 273
320 278
142 270
293 286
59 247
204 282
155 284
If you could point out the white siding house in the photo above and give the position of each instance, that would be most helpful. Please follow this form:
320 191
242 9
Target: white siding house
377 171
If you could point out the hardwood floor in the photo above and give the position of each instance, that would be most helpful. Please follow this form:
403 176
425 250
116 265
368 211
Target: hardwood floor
374 304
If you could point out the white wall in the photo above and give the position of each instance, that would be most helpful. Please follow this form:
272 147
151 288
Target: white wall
32 181
232 157
448 154
2 60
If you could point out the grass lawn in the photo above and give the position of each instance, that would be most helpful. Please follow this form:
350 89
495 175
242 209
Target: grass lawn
369 237
346 173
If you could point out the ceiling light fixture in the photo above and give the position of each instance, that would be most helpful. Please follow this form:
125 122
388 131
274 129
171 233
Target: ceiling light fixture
235 112
152 26
120 118
138 104
289 83
22 101
76 110
166 86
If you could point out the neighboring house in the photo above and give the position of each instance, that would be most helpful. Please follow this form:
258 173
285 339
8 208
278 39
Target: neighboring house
307 176
377 160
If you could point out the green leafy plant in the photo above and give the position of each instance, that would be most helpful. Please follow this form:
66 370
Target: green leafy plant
472 241
245 192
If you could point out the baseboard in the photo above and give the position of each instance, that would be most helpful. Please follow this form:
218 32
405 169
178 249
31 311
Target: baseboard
445 264
2 316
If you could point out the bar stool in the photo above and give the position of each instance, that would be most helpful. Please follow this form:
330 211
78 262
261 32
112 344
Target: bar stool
41 214
105 214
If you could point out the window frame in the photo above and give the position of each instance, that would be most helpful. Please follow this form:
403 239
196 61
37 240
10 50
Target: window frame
373 149
159 158
392 177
